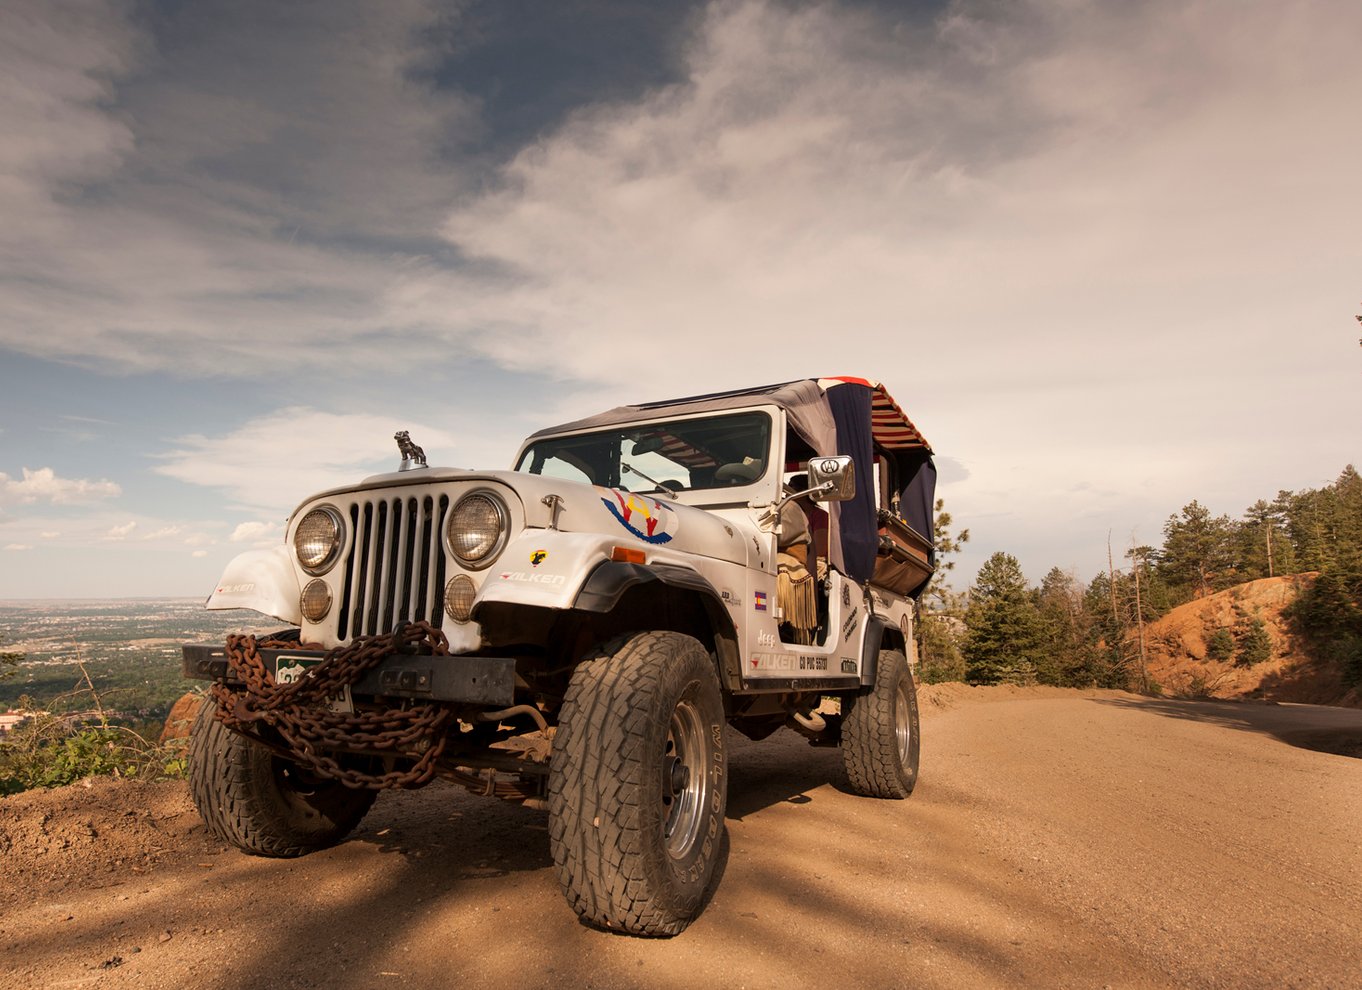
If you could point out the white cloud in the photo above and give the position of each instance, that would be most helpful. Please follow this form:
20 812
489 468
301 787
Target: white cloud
137 533
1086 243
18 546
1074 241
121 532
273 231
165 532
276 460
199 553
831 188
100 555
44 484
254 532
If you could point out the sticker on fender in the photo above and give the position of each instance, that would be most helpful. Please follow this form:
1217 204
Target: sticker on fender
288 670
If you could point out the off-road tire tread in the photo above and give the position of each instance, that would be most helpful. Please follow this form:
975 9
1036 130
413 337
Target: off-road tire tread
869 746
599 844
230 782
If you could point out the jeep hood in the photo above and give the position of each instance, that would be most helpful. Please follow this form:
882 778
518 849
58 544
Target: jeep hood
632 519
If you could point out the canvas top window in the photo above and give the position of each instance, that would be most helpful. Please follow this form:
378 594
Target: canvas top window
698 454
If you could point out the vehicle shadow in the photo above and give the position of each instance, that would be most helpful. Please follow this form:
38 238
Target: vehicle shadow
1322 729
780 769
453 835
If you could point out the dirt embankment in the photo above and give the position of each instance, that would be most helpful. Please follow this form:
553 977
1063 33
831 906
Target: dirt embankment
1179 653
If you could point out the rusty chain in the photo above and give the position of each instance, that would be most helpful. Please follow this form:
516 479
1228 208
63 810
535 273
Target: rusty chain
300 713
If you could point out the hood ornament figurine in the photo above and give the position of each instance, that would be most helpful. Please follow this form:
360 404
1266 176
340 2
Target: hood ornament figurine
412 455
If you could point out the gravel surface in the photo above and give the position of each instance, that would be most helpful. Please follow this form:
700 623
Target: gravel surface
1057 839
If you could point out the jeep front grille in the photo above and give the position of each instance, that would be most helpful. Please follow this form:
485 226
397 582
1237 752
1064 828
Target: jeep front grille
396 568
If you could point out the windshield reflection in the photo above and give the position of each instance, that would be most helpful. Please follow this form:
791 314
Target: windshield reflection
700 454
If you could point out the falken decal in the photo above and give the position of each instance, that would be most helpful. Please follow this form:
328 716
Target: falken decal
553 580
772 661
648 519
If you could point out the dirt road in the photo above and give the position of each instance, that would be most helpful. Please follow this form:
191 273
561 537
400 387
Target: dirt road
1084 841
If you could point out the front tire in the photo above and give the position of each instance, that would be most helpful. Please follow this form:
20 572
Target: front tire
261 803
880 745
638 784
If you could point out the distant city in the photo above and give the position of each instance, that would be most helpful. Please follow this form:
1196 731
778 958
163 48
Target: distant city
130 647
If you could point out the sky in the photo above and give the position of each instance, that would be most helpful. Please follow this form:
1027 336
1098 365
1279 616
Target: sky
1105 255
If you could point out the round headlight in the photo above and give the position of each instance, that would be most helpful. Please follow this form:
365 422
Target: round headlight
459 595
317 540
477 529
315 601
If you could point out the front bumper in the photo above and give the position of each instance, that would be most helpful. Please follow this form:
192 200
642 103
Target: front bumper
471 680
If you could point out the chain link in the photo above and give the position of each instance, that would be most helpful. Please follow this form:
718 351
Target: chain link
300 713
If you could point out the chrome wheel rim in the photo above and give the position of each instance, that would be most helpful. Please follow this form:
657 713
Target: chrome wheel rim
685 785
903 728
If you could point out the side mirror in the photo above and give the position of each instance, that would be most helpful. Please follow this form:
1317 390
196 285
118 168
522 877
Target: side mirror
838 471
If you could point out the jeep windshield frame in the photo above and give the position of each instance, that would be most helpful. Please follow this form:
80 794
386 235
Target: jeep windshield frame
706 453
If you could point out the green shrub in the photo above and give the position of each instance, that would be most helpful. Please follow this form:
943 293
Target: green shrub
50 751
1220 646
1255 645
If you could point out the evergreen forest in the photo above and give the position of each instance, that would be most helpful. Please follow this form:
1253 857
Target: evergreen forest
1073 634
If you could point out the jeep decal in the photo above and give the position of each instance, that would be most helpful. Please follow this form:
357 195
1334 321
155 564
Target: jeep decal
648 519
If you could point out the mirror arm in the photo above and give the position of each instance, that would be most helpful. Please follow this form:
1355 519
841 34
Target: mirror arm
773 509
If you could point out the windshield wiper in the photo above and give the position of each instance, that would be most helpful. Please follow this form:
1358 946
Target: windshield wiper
656 484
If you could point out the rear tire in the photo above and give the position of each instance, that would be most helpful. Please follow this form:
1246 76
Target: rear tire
880 745
638 784
261 803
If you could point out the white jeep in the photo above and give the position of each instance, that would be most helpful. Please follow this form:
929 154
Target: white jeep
578 631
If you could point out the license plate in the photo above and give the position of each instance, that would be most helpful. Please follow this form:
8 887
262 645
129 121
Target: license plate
287 670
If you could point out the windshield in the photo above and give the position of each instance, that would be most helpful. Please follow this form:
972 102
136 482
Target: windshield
685 455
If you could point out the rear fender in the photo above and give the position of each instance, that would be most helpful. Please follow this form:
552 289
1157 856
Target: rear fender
879 635
263 580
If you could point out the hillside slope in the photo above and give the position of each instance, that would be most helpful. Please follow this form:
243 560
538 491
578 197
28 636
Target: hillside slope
1177 645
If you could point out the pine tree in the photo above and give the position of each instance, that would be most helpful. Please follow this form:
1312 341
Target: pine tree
1006 638
1106 634
939 611
1197 553
1348 490
1068 629
1255 644
1263 545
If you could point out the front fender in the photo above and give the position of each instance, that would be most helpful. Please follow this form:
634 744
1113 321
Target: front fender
543 568
263 580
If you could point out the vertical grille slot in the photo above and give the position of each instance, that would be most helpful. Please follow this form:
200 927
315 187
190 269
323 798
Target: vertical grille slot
396 568
437 598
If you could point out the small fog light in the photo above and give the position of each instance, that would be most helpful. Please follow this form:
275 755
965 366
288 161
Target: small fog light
459 594
315 601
